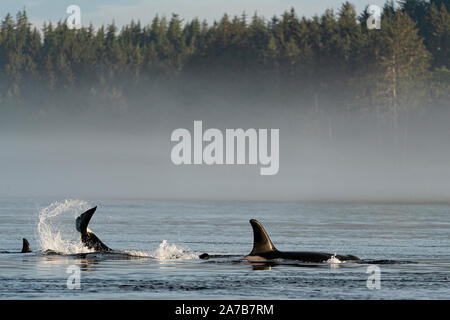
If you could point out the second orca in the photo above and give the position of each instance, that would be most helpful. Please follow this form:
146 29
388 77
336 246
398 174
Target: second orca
263 250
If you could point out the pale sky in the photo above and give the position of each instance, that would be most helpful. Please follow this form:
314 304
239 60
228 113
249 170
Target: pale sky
100 12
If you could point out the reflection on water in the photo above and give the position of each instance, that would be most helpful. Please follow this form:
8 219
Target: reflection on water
261 266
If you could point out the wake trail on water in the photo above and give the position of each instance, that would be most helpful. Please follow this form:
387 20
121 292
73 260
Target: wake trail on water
56 233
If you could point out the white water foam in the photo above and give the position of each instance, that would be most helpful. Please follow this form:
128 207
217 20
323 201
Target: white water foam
334 260
164 252
56 227
168 251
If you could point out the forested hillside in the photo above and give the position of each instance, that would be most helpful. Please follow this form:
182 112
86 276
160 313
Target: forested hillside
323 65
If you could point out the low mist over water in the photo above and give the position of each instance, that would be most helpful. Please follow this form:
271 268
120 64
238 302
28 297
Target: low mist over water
95 156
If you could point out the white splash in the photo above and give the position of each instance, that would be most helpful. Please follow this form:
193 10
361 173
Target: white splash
168 251
56 227
334 260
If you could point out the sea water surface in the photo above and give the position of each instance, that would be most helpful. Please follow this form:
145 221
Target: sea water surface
162 240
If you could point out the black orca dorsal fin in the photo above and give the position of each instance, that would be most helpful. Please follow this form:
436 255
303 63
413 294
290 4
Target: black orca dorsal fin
261 240
83 220
25 246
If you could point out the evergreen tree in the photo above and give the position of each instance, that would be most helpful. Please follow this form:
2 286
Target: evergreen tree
439 35
330 65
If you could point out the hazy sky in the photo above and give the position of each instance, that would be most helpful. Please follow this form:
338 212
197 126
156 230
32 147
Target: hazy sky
99 12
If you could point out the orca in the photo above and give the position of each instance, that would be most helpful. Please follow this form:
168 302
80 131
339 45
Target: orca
88 238
25 246
263 250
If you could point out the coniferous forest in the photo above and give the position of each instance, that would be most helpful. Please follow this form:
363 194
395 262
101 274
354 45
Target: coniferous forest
327 67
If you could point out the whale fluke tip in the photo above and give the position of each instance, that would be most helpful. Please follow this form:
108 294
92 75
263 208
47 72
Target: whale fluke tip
82 221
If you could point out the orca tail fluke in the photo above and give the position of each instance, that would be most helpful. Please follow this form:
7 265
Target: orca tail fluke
88 238
82 221
25 246
261 240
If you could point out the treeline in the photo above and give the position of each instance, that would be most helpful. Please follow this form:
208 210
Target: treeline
328 64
